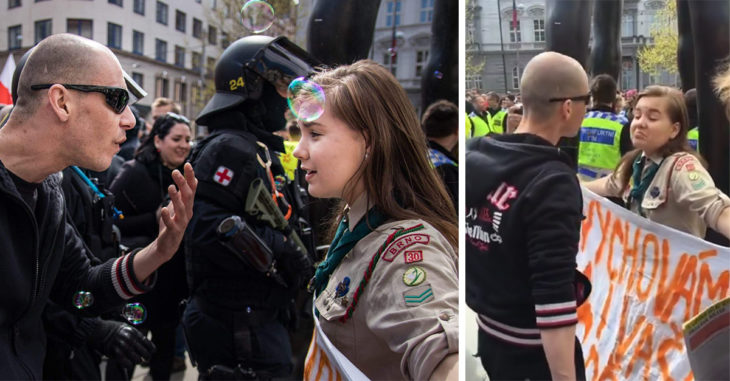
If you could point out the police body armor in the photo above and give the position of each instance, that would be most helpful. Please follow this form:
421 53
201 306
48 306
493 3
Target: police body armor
693 138
600 144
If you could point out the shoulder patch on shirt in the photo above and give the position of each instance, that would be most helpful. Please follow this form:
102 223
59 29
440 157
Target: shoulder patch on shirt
404 242
682 161
418 295
223 176
414 276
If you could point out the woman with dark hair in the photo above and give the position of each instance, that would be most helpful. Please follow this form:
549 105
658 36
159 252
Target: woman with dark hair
139 191
387 293
663 179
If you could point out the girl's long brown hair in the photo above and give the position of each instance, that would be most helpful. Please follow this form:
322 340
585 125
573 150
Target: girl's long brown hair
677 112
397 174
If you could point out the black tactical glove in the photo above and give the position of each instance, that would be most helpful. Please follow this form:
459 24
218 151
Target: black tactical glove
121 342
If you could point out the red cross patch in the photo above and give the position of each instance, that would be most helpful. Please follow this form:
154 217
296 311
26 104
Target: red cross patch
223 176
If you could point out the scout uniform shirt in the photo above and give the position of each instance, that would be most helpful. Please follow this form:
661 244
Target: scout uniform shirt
682 195
405 320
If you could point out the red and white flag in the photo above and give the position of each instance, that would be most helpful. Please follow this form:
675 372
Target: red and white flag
6 78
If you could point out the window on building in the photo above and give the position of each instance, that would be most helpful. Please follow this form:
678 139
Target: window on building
38 1
213 4
474 81
516 71
196 61
212 35
539 27
225 40
139 7
628 25
198 1
114 35
426 11
137 42
81 27
210 66
627 73
421 61
514 31
116 2
197 28
162 87
390 61
42 29
160 50
15 37
179 56
180 94
180 19
393 13
161 13
14 3
139 78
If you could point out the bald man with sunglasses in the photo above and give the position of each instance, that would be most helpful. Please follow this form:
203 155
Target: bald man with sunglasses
72 109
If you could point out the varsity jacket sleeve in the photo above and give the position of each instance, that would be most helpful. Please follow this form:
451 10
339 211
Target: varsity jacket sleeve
110 283
553 213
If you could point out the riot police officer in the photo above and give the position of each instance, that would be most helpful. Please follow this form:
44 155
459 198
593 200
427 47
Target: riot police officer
236 319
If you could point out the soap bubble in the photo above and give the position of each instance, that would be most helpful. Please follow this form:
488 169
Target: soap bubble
257 16
83 299
438 74
135 313
306 99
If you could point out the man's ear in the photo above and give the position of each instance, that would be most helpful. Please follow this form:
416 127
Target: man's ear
566 109
60 102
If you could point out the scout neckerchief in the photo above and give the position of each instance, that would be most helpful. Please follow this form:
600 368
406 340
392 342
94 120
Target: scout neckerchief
343 242
642 179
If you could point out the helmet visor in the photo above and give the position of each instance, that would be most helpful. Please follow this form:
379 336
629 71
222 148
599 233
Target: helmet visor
282 61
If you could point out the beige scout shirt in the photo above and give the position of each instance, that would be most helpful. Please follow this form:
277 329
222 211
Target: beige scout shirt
406 320
682 195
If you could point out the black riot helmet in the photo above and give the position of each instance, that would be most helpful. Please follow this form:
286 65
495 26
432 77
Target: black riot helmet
250 65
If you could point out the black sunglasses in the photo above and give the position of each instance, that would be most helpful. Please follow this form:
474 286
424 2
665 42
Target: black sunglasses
585 98
176 117
116 97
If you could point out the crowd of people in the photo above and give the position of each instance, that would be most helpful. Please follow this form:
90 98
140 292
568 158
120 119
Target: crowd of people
524 202
138 213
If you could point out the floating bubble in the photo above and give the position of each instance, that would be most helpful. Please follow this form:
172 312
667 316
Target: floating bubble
296 2
438 74
257 16
306 99
135 313
83 299
393 51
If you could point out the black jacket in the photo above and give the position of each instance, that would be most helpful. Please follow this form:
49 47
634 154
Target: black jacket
524 209
43 257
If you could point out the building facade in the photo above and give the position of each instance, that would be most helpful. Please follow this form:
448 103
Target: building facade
412 22
168 47
503 57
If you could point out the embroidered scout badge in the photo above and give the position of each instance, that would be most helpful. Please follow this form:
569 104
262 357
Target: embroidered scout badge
414 276
418 295
413 256
402 243
223 176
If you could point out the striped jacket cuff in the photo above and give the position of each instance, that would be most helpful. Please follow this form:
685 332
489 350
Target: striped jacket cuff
125 281
554 315
529 337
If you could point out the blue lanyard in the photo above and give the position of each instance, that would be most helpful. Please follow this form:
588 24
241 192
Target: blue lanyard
117 213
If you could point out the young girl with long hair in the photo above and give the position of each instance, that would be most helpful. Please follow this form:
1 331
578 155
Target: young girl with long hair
387 292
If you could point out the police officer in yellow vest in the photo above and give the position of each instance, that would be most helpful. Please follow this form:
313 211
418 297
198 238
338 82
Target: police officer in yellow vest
499 121
693 135
492 113
288 161
604 135
476 126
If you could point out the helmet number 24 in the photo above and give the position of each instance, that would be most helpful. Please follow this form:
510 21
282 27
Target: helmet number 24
236 83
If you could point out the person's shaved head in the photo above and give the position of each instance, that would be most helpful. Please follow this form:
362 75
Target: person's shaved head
550 75
60 58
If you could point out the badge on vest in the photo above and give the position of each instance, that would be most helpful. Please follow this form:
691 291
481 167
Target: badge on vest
223 176
414 276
